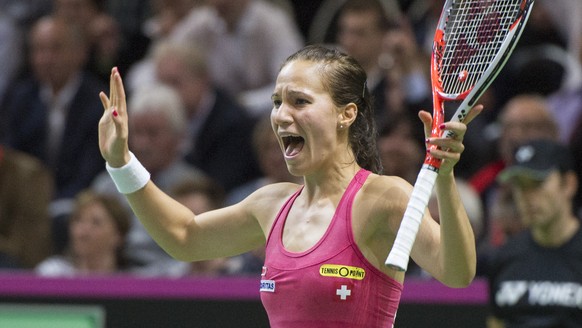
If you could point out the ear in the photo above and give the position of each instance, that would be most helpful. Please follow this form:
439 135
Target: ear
570 183
347 115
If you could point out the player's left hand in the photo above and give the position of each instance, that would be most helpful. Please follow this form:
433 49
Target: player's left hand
449 150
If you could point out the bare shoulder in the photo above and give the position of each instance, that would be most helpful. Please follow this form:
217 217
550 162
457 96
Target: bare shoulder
382 200
389 190
265 202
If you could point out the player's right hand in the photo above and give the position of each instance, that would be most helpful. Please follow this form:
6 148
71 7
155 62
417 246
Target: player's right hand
113 130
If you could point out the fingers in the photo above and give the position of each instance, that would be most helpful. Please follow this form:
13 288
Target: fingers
426 119
120 92
447 144
112 88
104 100
473 112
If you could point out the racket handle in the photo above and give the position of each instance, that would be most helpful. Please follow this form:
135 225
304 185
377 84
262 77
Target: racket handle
400 253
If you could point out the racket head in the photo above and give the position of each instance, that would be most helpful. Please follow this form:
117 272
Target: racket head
464 97
472 42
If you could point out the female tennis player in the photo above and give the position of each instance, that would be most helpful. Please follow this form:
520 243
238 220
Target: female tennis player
327 239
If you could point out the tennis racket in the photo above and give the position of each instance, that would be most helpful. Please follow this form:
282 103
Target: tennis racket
472 42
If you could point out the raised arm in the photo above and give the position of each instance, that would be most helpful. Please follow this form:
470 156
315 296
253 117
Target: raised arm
448 252
174 227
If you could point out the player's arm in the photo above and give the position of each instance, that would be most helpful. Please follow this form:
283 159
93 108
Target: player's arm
190 237
448 251
174 227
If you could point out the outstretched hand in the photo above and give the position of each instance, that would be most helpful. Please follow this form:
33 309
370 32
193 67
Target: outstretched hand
113 129
449 149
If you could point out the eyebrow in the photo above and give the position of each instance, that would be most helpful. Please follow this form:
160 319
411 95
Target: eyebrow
297 93
292 93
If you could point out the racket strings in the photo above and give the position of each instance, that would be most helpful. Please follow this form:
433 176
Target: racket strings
473 34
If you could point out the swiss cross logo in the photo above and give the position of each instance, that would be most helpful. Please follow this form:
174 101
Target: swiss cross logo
343 292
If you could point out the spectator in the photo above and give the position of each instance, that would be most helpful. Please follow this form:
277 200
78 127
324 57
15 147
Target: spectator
219 130
52 114
26 189
97 228
362 25
407 69
535 278
100 30
165 16
523 118
131 16
246 41
158 129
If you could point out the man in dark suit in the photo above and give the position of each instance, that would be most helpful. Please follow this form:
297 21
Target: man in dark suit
219 134
53 114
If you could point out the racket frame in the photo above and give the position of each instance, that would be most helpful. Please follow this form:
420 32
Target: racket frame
400 253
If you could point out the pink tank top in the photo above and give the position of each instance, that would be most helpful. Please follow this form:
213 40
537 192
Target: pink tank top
330 284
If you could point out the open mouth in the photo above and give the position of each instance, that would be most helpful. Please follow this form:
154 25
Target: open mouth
293 145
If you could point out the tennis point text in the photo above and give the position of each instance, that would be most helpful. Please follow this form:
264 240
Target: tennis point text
342 271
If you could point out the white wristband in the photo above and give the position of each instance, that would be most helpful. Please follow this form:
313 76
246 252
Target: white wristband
129 178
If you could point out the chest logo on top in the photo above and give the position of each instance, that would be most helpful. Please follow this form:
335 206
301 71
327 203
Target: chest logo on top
342 271
267 286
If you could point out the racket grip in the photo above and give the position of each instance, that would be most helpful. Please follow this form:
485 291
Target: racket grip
400 253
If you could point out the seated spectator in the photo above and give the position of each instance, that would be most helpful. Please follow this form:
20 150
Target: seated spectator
163 17
98 227
107 47
26 189
362 25
158 128
53 114
219 130
246 41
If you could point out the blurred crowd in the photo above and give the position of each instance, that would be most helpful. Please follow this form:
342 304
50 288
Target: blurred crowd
199 76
